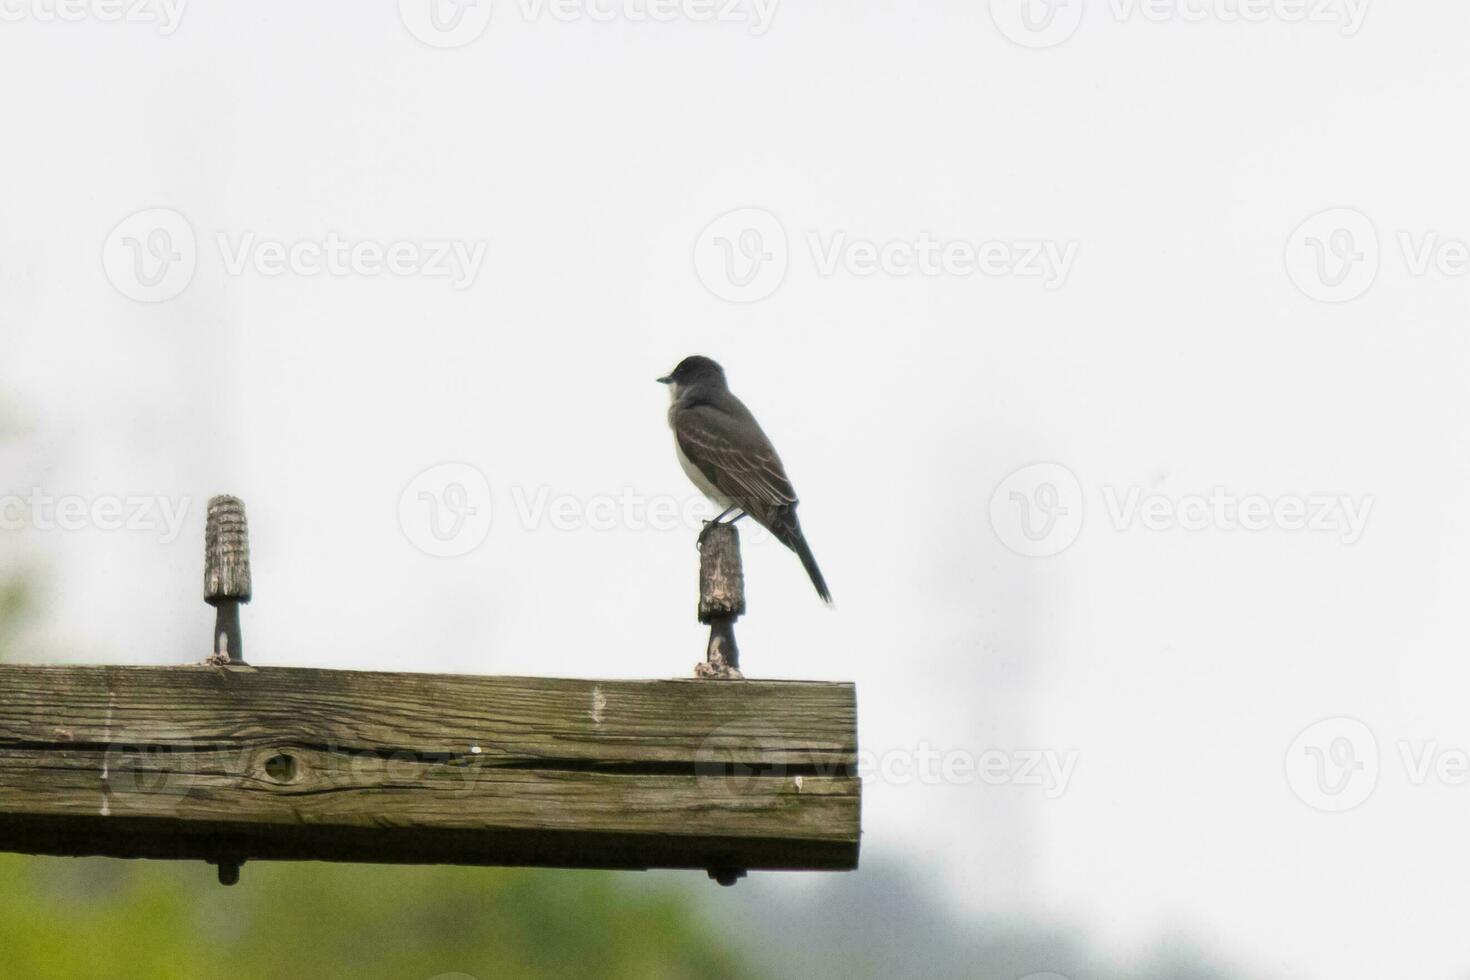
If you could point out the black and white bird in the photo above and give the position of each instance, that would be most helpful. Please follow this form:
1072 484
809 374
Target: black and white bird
728 457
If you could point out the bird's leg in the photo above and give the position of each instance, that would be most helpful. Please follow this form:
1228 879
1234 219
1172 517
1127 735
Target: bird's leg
719 522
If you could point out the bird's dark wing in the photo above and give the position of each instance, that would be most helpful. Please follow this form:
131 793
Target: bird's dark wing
735 455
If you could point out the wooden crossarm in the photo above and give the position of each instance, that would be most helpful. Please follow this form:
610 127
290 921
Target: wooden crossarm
234 763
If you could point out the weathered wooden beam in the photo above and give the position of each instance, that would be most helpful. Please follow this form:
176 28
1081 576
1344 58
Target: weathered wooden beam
232 763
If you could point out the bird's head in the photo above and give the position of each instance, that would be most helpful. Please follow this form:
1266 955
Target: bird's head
692 371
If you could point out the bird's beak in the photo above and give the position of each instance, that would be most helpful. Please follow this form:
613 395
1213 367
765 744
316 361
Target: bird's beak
665 381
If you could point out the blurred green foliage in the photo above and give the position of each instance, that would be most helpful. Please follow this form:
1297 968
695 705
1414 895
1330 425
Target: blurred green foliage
121 920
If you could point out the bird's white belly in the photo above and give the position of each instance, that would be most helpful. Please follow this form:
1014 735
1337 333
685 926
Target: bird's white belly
699 480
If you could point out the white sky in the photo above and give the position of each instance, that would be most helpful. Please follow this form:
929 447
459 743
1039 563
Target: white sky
1178 357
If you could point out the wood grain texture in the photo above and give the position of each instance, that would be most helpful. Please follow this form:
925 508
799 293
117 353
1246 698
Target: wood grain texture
201 762
721 575
226 551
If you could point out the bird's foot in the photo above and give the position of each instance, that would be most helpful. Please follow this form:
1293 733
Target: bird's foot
719 522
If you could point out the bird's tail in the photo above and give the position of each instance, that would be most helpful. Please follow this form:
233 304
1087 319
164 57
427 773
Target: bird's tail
787 530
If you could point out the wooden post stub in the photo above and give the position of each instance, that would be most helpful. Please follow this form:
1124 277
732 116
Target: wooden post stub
226 575
721 600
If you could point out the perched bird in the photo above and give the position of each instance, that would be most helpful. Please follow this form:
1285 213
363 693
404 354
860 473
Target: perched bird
728 457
